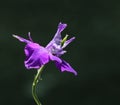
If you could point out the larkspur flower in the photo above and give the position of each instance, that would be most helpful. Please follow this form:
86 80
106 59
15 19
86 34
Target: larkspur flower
37 55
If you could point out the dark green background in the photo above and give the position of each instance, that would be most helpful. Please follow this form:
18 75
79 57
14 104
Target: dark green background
95 54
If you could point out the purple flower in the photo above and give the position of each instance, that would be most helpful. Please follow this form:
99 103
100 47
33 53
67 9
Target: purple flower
37 55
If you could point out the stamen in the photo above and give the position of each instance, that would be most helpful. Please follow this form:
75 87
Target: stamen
64 40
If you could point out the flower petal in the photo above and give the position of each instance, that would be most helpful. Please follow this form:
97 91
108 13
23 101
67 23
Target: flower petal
68 42
55 58
21 39
57 38
64 66
61 27
36 56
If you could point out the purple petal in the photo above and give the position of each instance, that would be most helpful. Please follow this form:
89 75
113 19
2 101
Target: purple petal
36 56
57 38
68 42
55 58
64 66
21 39
61 27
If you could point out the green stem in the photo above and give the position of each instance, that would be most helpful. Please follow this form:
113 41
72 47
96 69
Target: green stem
34 85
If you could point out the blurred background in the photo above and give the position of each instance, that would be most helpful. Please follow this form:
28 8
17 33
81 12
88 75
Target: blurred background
95 54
